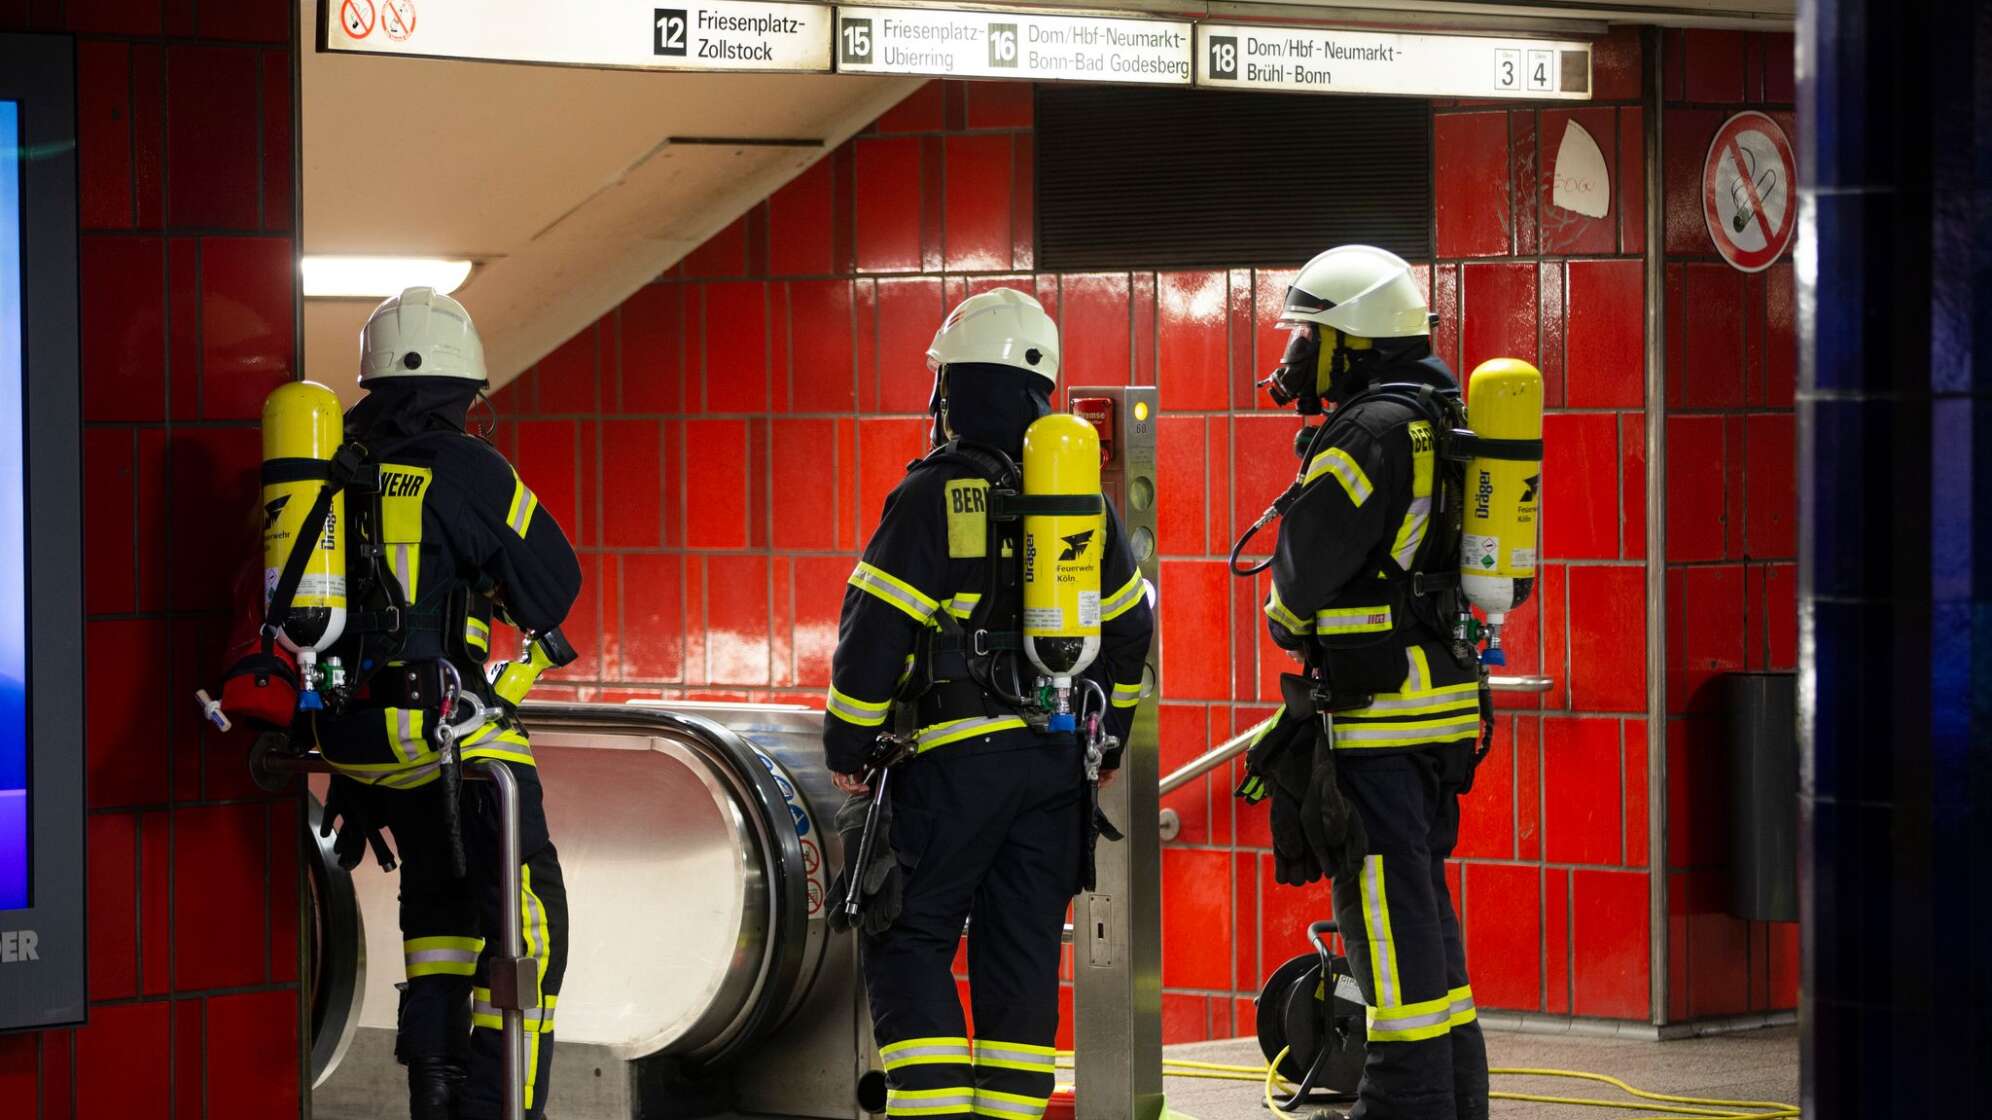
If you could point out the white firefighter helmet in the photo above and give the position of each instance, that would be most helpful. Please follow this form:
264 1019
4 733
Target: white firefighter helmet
1001 327
420 333
1359 290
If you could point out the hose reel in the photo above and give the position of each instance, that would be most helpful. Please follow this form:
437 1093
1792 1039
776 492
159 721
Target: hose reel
1312 1009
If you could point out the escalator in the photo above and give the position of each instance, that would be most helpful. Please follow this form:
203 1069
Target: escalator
693 842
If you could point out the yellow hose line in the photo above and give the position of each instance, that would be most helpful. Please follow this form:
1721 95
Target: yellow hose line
1606 1079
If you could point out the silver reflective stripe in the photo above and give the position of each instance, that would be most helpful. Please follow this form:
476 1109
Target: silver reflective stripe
408 779
397 562
909 1055
440 956
1461 1006
407 741
997 1053
1414 680
1346 732
962 729
1123 599
1379 926
1436 702
872 581
903 1102
986 1105
1384 1020
536 1017
1416 516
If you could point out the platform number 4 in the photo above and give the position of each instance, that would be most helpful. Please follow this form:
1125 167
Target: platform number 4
1003 45
1541 69
1507 69
856 41
1224 57
670 32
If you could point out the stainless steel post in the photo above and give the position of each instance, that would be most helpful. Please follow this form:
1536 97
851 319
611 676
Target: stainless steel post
1117 942
270 771
513 942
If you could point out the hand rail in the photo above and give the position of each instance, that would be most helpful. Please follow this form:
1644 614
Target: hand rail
272 767
1238 744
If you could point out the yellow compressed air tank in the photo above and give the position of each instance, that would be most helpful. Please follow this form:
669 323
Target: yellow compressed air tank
1062 551
1497 559
302 428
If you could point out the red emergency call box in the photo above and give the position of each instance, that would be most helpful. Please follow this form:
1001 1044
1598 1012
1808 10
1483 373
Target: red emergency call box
1099 412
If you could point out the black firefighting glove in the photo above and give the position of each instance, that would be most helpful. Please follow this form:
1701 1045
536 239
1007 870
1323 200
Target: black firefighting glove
880 880
1278 766
349 810
1334 829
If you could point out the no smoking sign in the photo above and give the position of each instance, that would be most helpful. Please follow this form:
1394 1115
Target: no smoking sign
1748 191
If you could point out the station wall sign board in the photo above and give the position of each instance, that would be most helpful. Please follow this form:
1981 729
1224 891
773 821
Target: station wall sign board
1343 60
755 35
998 44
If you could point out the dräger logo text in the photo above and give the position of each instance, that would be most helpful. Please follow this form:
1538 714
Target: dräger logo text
17 945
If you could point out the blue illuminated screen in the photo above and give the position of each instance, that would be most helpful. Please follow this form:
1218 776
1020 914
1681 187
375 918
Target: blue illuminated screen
13 533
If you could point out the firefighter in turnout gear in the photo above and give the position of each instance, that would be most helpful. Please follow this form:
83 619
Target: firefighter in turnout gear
992 812
443 537
1378 738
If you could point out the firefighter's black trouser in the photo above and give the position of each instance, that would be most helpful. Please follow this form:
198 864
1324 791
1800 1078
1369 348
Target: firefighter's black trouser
451 930
1427 1059
990 830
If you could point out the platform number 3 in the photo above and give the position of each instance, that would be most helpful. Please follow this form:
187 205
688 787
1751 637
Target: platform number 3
1507 69
670 36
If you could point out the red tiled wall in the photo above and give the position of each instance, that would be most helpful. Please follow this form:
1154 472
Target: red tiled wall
774 386
1732 361
187 248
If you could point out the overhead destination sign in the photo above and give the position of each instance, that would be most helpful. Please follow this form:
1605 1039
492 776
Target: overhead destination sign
987 44
650 35
1340 60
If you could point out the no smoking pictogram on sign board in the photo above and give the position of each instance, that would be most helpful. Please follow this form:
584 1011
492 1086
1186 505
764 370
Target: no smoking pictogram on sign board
1748 185
357 17
397 18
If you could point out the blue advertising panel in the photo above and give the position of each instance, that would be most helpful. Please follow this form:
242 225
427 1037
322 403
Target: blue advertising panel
42 939
14 866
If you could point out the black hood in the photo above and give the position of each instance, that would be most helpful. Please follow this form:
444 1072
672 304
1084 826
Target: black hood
989 404
406 406
1392 361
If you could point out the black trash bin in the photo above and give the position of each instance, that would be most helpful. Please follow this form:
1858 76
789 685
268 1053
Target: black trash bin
1762 735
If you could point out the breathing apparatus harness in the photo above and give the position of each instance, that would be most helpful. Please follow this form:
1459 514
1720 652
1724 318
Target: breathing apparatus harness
1431 588
959 664
378 632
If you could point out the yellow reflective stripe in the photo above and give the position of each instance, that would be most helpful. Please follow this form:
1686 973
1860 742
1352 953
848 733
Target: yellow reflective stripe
850 709
519 515
484 1013
1123 600
1009 1106
1412 1021
964 604
925 1052
1015 1055
1449 698
1460 1003
1403 734
501 742
441 956
955 730
1376 926
1418 515
1127 695
1278 612
1337 462
891 589
929 1102
1353 620
477 633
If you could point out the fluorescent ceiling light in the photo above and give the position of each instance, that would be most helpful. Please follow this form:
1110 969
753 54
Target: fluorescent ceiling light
379 277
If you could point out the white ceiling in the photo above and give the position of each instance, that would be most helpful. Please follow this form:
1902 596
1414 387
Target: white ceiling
568 188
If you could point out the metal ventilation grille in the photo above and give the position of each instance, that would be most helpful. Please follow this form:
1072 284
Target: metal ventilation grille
1169 178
